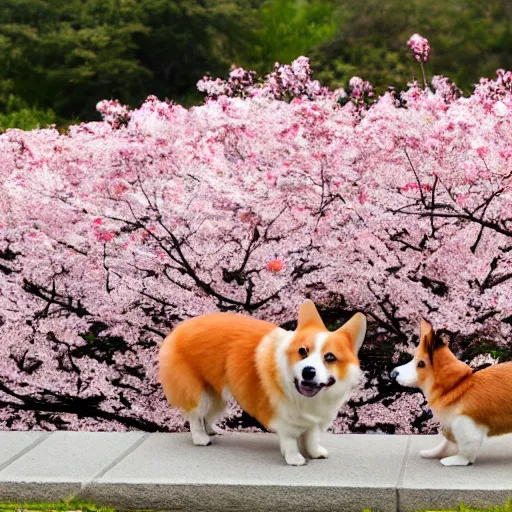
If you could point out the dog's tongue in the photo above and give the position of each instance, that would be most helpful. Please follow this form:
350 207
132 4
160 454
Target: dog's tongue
308 391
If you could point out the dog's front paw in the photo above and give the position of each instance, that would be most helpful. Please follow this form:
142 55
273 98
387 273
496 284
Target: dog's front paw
295 459
319 453
455 460
201 439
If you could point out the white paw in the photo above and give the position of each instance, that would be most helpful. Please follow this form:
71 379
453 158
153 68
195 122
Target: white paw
319 453
455 460
201 439
296 459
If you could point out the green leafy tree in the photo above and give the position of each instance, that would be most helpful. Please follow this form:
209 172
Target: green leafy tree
286 29
17 114
69 55
469 39
186 39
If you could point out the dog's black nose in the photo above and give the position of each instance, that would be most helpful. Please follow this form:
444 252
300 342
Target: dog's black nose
393 374
308 373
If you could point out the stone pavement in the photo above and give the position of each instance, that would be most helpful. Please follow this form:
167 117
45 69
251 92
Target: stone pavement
245 472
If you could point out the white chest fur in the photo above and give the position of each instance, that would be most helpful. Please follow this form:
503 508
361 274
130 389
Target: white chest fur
300 413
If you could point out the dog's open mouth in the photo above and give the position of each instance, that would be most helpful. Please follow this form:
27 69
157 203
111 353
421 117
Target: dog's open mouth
310 389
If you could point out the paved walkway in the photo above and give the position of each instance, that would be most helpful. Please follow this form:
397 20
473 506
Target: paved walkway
245 472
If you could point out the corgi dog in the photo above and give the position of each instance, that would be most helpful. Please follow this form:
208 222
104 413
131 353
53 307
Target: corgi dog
292 382
470 406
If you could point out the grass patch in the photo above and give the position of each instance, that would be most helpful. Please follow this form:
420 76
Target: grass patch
503 508
81 506
463 508
62 506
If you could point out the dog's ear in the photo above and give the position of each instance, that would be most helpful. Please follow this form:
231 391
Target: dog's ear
429 340
355 329
426 331
309 316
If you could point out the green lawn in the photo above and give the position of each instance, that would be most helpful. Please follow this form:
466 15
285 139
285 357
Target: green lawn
79 506
463 508
63 506
504 508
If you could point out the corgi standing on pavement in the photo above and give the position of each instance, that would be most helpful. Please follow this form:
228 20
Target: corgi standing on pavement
291 382
470 406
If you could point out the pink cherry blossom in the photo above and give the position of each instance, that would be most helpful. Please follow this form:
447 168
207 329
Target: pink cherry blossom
419 47
113 113
270 192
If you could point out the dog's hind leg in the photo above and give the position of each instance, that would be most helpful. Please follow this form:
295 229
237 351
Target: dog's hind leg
197 418
469 436
185 389
217 405
445 449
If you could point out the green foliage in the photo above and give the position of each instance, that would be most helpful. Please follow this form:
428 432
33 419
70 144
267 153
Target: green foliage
74 505
17 114
478 346
58 59
62 506
69 55
463 508
287 29
468 40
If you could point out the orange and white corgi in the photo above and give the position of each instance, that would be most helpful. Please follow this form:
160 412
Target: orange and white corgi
293 382
470 406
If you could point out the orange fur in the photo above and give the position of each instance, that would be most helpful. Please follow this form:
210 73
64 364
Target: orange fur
214 352
341 346
489 399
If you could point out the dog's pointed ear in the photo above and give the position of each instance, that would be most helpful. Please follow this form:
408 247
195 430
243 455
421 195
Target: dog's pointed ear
309 316
426 331
355 329
429 340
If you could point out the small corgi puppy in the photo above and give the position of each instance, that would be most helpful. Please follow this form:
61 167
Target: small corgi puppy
470 406
292 382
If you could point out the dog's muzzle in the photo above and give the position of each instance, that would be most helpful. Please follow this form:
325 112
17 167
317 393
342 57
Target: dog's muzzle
310 389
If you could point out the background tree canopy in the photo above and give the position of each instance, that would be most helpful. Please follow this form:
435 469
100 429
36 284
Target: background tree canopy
58 59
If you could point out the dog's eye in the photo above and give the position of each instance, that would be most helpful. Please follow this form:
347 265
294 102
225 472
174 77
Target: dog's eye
303 351
421 364
329 357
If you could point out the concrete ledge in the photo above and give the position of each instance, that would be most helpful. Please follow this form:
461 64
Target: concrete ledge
61 464
245 472
427 484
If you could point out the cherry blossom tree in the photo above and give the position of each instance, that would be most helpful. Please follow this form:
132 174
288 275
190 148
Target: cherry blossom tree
273 191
